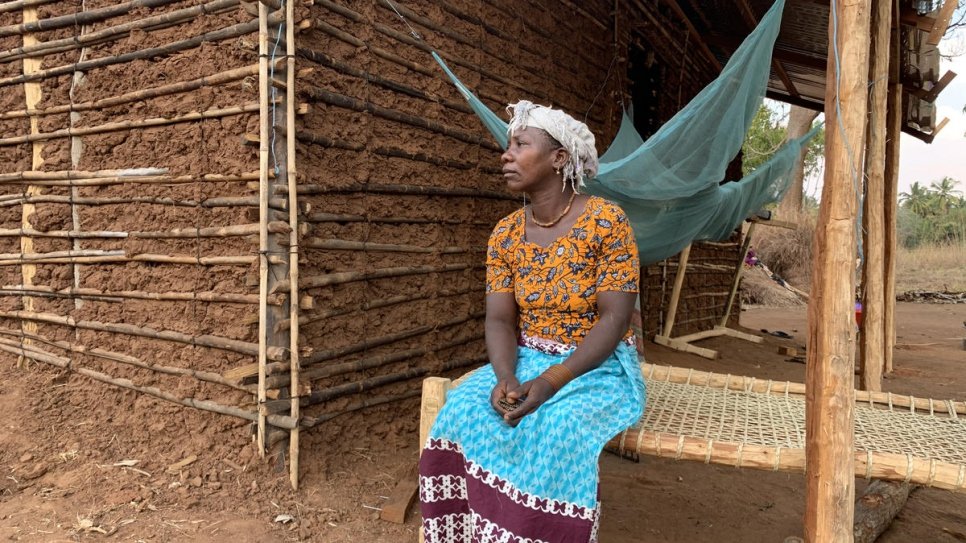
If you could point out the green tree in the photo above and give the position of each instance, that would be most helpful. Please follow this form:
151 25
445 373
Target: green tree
945 194
934 214
766 135
918 199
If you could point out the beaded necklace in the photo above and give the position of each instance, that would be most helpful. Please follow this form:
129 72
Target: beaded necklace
556 220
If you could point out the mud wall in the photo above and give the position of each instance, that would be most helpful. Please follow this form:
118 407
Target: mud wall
130 180
392 160
146 277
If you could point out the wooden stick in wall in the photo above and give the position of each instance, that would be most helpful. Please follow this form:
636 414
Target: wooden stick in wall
372 304
156 22
348 389
311 422
408 190
332 370
79 19
205 405
228 201
275 227
263 194
140 180
229 32
240 373
210 341
130 125
16 5
293 246
121 295
144 94
349 245
207 376
64 257
346 218
338 278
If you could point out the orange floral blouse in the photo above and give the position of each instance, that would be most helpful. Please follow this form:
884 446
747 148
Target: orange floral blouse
556 286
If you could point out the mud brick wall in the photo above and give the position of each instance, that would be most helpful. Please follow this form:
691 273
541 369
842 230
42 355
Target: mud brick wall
704 295
114 255
391 157
149 278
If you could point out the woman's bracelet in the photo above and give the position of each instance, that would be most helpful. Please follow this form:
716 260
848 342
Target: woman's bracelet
557 375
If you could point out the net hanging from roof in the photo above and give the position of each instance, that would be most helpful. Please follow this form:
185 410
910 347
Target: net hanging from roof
669 185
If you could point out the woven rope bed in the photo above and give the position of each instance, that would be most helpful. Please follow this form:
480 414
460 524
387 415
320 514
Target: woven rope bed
751 423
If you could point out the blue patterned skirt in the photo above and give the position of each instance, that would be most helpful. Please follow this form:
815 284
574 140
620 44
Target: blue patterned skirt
482 480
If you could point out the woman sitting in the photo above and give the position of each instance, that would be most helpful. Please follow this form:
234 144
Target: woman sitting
513 454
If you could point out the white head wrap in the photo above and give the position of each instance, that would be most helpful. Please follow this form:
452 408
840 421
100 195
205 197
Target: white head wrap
574 135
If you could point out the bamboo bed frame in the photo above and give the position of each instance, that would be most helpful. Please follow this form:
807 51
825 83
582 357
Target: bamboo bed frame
759 424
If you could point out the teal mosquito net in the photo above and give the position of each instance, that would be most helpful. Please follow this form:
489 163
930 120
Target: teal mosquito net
670 185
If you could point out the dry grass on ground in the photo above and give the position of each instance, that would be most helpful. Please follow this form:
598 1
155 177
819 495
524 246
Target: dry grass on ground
932 267
788 253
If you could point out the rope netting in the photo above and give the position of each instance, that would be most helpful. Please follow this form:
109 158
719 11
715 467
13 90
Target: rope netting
745 422
752 423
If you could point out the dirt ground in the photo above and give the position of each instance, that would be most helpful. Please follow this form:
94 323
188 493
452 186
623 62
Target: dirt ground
89 463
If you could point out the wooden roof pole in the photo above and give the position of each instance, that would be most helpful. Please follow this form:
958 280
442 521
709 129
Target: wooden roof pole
871 345
891 192
752 21
829 392
697 36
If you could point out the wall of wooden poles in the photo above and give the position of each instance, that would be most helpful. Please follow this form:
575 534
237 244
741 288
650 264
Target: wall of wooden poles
129 226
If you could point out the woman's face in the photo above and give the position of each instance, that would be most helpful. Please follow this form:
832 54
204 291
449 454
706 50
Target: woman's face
529 161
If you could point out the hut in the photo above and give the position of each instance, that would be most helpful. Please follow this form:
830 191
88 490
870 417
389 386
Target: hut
276 210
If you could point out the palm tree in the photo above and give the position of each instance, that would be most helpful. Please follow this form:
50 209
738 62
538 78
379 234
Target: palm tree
944 193
919 200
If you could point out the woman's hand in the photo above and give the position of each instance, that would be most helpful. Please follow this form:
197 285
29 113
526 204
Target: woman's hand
501 391
534 393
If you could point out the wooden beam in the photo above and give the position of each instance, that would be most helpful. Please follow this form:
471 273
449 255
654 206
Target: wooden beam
942 22
891 193
910 17
933 93
872 345
731 43
829 417
698 37
800 102
927 137
752 22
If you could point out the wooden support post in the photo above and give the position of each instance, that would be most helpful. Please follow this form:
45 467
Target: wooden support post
737 277
672 309
263 191
683 343
891 193
829 417
76 152
872 346
434 396
33 93
294 302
